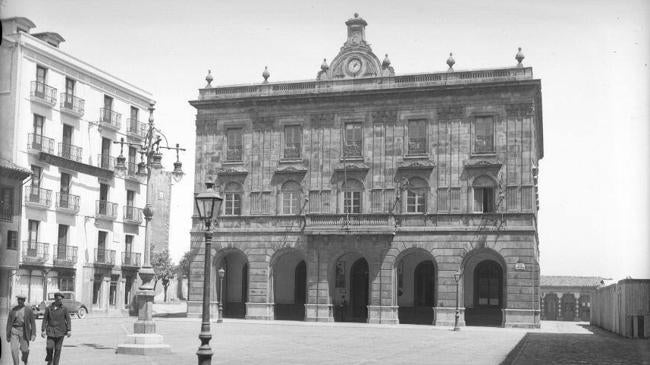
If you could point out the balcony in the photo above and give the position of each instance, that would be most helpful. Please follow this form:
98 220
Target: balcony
320 224
67 203
43 93
132 215
40 143
106 162
110 119
130 259
104 257
35 252
37 197
6 211
136 129
70 152
72 105
65 256
105 210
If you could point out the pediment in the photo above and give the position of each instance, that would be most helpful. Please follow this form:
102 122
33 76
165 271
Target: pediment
232 171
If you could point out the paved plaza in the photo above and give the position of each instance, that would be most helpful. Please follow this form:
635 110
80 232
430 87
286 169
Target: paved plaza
283 342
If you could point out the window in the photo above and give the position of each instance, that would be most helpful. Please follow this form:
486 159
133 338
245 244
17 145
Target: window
352 140
128 244
63 235
352 190
66 283
38 124
37 130
130 198
134 114
35 190
443 199
260 202
32 234
488 284
417 137
133 121
232 201
12 240
234 144
416 196
6 204
68 101
291 192
455 198
376 200
292 141
101 246
527 198
105 157
483 194
41 75
132 167
511 198
484 135
108 104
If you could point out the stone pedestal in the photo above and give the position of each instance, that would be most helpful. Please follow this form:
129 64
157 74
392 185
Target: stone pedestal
521 318
446 316
319 313
144 340
263 311
379 314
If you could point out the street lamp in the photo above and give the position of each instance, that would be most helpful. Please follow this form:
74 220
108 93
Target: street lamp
457 276
207 203
222 273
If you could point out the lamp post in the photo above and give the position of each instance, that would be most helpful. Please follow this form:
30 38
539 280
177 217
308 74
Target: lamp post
222 273
207 203
144 340
457 276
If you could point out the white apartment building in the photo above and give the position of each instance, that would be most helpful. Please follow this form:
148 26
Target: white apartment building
81 228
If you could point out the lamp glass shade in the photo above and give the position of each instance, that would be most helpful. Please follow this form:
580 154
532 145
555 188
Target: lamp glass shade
121 163
208 202
222 273
456 276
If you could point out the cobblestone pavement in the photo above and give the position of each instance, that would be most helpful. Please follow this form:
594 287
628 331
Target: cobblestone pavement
559 343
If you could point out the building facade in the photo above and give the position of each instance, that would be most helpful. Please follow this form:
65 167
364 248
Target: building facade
359 195
82 228
567 298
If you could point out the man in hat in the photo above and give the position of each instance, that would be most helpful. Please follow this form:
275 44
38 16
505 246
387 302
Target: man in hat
56 325
21 327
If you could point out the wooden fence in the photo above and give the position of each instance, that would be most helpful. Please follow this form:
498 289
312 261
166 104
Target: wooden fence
623 308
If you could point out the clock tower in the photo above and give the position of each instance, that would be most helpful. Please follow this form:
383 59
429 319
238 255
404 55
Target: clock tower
356 31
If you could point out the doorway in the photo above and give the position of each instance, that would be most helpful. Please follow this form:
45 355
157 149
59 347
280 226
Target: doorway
359 291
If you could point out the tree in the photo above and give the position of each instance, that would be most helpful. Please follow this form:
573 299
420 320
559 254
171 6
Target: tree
183 268
164 268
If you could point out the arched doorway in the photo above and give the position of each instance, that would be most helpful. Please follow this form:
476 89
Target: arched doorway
585 308
550 307
568 307
235 284
416 287
487 295
359 291
289 287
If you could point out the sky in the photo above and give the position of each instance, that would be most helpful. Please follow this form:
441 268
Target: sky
591 56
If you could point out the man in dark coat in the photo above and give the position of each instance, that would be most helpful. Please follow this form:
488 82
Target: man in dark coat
56 325
21 328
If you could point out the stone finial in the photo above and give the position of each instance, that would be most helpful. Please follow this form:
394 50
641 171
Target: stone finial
324 66
209 79
386 62
520 57
451 62
266 74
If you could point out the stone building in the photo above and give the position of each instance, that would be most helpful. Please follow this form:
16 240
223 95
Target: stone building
81 229
358 195
567 298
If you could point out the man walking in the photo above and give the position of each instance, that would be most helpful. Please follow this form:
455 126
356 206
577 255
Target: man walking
21 327
56 324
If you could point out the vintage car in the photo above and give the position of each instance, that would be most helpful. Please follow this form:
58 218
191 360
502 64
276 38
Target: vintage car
73 306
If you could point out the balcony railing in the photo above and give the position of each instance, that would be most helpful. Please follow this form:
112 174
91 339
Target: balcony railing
70 152
65 255
43 93
106 162
105 209
132 214
136 128
130 259
67 202
38 197
41 143
72 105
110 119
35 252
104 257
6 211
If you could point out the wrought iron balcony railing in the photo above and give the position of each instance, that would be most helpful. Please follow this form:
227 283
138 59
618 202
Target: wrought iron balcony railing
38 197
38 142
132 214
70 152
65 255
105 209
104 257
106 162
131 259
136 128
72 105
67 202
35 252
110 119
43 93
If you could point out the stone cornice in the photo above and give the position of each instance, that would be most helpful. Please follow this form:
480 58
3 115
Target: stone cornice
424 164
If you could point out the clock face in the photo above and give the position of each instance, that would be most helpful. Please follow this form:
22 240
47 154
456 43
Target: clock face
354 66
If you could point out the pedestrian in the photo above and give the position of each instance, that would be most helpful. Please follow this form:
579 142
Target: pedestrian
56 325
21 327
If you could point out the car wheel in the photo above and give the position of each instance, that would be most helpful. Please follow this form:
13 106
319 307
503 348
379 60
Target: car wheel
81 313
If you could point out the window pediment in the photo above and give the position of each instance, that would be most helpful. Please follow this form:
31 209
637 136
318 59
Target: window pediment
482 163
424 164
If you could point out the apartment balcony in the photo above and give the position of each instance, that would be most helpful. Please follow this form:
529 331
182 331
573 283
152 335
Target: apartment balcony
105 210
64 255
37 197
35 253
72 105
70 152
104 257
130 259
106 162
132 215
327 224
43 93
6 211
136 129
67 203
110 119
40 143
